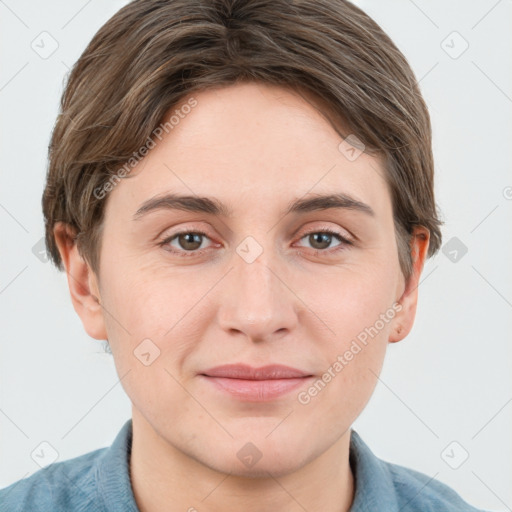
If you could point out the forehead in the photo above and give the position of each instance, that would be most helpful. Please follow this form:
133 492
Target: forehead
251 144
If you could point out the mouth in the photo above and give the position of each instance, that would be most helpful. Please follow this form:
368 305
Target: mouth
251 384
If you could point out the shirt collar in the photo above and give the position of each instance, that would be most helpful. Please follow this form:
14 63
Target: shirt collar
113 474
374 489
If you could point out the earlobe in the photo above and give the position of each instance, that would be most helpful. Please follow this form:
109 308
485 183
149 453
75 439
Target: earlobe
404 320
82 282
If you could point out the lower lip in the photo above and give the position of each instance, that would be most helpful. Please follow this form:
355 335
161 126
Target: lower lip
256 390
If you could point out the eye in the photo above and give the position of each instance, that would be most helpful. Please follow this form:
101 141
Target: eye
321 240
188 242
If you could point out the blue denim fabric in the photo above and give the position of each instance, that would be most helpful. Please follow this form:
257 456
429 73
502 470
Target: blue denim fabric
99 481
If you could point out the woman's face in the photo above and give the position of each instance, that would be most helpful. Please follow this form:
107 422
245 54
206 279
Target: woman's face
185 289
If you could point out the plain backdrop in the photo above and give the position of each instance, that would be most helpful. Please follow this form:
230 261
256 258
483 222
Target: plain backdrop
443 404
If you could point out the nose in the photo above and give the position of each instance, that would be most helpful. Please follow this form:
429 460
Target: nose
257 300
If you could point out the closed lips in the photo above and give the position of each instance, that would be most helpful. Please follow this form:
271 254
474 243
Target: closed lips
246 372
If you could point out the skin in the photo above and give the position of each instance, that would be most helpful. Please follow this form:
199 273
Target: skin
299 303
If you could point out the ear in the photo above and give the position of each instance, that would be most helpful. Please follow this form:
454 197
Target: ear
82 282
404 319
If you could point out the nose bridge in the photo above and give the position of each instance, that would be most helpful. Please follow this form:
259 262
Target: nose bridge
257 302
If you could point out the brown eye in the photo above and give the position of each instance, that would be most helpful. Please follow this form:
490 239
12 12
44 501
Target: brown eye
186 243
322 240
189 241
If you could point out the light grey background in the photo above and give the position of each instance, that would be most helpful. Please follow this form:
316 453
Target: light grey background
449 380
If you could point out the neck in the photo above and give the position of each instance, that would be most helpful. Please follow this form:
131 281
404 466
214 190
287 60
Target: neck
163 476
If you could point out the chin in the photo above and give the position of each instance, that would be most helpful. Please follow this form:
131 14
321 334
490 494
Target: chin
258 460
268 469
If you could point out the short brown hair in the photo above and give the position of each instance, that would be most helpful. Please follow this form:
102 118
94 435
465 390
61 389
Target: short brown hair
153 53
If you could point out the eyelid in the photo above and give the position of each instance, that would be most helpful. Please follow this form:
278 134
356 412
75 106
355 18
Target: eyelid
338 230
170 232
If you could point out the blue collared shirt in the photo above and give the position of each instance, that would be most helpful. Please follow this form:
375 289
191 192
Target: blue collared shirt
99 481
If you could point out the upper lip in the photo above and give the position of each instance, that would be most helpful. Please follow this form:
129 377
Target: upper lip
244 371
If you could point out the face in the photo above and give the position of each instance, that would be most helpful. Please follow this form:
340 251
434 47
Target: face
258 282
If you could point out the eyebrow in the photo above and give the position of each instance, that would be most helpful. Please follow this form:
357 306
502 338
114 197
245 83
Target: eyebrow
213 206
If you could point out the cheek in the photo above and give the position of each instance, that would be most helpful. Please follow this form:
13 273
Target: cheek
153 316
356 312
150 337
349 377
349 299
147 299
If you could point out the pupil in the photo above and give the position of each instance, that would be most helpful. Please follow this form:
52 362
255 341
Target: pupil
191 238
324 239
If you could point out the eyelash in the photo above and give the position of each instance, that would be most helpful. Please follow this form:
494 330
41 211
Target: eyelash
187 254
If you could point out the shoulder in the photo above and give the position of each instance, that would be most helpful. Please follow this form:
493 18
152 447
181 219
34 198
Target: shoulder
417 491
67 485
382 485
